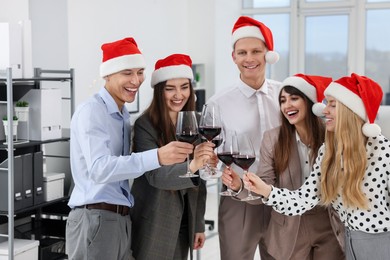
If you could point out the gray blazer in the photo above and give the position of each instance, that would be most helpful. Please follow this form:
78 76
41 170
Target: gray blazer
282 230
160 198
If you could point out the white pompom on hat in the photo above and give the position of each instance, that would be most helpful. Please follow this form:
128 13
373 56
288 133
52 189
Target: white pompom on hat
248 27
121 55
172 67
362 95
312 86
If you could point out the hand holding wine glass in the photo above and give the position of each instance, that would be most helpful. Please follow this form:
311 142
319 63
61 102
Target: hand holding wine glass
213 172
255 183
244 159
187 131
210 126
225 153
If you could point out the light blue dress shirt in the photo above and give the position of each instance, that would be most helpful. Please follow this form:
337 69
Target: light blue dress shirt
100 158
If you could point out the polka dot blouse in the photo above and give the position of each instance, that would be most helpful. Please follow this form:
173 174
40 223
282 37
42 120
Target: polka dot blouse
376 186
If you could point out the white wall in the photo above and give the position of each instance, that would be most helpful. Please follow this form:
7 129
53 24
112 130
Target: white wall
70 33
159 27
226 72
49 34
13 11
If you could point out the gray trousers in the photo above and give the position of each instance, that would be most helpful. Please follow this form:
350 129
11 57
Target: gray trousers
93 234
365 246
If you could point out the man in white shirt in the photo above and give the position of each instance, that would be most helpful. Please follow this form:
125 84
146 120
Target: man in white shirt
249 107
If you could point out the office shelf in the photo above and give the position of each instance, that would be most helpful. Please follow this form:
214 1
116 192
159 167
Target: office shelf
34 217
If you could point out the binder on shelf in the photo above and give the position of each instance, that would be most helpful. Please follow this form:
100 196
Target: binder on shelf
38 178
18 184
27 179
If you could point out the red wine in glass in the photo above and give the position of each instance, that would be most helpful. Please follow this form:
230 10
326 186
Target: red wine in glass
210 126
217 141
225 153
188 138
187 131
244 161
209 132
226 158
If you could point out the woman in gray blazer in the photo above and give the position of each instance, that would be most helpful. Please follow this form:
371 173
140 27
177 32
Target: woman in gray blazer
287 155
168 215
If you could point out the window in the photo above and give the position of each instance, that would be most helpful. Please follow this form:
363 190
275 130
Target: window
279 25
377 58
326 48
264 3
327 37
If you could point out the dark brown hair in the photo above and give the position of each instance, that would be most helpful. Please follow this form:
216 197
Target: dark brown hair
158 113
286 136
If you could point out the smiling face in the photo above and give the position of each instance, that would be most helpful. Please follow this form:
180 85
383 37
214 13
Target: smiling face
249 56
123 85
293 108
176 95
330 113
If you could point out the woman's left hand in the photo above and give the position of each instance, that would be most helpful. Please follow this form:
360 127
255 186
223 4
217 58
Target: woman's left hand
199 240
202 153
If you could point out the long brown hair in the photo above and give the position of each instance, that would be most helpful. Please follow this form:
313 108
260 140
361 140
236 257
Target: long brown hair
345 160
286 136
158 113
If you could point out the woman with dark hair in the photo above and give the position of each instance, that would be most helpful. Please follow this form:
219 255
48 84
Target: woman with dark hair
351 172
287 155
168 215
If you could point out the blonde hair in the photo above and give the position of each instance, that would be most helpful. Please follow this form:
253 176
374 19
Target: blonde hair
344 163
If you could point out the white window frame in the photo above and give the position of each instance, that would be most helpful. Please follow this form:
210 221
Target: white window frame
300 9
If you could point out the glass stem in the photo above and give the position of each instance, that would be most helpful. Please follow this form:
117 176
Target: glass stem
249 187
231 192
188 164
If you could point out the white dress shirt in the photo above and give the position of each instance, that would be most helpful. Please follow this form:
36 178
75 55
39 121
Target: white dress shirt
246 110
304 158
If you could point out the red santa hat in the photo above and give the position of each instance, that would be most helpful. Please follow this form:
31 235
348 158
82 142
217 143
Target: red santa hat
312 86
362 95
248 27
172 67
121 55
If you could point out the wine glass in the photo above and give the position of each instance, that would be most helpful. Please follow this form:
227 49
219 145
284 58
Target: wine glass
244 159
187 131
213 172
225 153
210 125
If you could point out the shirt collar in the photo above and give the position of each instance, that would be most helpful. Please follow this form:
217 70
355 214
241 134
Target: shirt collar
249 91
299 142
111 105
297 137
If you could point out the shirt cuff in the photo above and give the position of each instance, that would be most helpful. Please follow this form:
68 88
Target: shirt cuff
150 160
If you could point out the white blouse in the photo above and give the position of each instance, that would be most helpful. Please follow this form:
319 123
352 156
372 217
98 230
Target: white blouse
376 187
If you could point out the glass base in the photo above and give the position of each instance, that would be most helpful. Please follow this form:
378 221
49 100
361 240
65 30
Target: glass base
209 173
251 197
228 193
188 175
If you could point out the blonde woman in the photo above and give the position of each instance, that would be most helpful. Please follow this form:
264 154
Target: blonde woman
351 172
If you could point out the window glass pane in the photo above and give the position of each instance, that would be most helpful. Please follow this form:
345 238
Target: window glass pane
378 48
279 24
265 3
376 1
326 45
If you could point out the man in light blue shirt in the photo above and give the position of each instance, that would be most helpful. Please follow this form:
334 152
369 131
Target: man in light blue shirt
99 225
